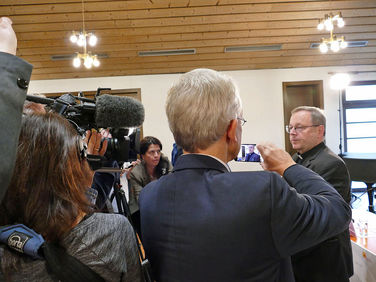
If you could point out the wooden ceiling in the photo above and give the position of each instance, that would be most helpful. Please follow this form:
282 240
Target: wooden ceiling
126 27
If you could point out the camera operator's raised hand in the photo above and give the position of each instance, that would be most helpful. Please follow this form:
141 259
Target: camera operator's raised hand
8 39
95 146
275 159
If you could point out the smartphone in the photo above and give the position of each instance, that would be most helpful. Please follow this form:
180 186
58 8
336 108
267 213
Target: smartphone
248 153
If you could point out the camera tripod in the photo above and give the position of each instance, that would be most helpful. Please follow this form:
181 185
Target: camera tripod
123 208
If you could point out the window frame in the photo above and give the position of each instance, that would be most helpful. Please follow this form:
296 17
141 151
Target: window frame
356 104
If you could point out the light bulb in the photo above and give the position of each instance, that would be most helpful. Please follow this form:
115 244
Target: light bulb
320 26
93 40
340 22
323 47
77 62
343 44
81 40
88 62
73 38
339 81
334 46
328 24
96 62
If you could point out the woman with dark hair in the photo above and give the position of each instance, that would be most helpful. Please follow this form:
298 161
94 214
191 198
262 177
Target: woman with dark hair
153 165
49 194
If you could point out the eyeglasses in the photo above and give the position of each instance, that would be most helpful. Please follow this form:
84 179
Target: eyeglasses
299 129
242 121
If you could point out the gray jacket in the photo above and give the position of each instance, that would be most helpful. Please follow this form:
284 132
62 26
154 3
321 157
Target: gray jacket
14 79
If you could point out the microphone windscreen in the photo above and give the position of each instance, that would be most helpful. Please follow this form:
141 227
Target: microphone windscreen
116 111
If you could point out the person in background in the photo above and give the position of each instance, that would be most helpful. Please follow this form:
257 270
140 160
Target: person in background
203 222
330 260
15 76
153 165
49 194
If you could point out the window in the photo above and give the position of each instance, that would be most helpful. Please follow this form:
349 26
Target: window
359 116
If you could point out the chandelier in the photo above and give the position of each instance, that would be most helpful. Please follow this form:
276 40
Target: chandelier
334 42
82 39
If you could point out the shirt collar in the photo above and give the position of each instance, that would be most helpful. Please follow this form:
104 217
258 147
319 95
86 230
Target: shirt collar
226 165
311 152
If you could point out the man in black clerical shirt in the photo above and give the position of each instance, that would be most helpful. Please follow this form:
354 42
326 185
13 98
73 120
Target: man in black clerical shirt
332 259
252 156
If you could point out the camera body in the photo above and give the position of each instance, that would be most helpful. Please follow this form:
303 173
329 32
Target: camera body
105 111
123 146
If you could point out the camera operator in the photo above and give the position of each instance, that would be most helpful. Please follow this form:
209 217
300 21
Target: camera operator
15 75
48 191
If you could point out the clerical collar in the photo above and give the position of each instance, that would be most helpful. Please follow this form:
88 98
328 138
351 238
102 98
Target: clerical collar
311 152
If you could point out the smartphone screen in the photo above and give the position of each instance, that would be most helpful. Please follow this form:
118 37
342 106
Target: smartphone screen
248 153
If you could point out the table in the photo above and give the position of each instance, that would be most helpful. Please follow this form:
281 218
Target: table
364 248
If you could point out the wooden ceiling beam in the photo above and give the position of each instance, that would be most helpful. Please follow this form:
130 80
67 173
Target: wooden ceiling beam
143 9
192 44
101 73
129 64
183 21
266 27
63 41
278 56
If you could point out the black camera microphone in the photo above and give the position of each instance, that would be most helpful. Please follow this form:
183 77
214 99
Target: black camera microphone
116 111
106 111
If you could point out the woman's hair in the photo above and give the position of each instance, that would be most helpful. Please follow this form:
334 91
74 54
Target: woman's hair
146 142
200 107
48 189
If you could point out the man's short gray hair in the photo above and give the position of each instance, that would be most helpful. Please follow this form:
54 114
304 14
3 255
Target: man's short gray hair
317 114
200 106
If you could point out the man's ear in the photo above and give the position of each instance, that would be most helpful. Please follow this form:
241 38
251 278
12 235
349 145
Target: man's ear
322 130
231 130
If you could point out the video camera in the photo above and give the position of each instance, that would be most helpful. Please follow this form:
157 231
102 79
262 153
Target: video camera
104 111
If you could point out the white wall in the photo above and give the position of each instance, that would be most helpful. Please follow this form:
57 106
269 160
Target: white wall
260 90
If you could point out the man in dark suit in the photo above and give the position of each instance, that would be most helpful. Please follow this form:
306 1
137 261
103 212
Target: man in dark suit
252 156
14 79
331 260
203 222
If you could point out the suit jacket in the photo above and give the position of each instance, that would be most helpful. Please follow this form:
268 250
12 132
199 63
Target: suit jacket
330 260
204 223
14 79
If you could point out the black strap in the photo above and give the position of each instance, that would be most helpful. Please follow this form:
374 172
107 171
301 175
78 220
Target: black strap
65 267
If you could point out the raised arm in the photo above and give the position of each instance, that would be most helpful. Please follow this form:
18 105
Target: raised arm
14 79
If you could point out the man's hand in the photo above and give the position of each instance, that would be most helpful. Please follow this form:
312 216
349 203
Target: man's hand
8 39
93 140
275 159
